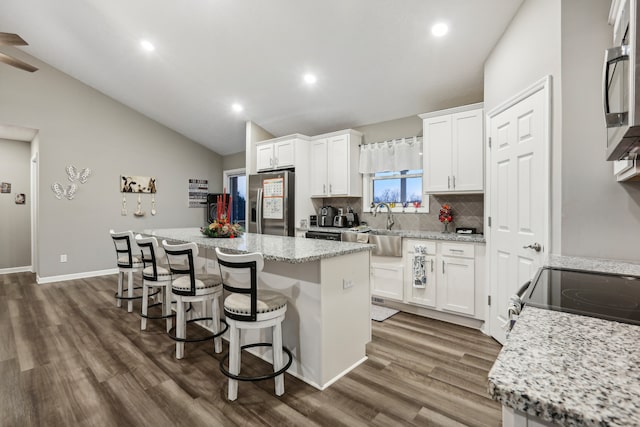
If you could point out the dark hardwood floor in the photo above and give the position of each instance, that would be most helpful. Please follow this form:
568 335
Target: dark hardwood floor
69 356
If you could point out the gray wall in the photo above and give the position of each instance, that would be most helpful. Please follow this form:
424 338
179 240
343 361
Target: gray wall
80 126
600 217
528 51
234 161
15 220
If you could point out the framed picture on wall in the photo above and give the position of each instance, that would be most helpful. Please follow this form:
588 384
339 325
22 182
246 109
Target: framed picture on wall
20 199
5 187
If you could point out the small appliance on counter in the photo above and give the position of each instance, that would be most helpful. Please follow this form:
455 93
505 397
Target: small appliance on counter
326 216
340 221
313 220
352 218
465 230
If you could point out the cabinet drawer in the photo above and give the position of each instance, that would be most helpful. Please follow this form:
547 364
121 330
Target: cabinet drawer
457 249
428 245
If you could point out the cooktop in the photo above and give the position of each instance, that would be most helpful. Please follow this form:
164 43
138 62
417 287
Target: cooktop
588 293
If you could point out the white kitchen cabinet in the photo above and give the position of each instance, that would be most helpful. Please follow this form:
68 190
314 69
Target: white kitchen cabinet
271 155
387 277
426 255
456 291
454 150
334 165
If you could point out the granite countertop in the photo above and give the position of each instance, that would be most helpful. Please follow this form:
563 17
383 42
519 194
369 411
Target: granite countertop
274 248
414 234
570 369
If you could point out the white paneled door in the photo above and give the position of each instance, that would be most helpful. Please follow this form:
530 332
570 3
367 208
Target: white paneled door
518 197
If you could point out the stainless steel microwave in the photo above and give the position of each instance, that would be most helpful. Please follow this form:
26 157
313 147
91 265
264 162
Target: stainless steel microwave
621 83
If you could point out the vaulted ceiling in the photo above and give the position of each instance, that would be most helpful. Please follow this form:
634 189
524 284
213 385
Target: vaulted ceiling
374 60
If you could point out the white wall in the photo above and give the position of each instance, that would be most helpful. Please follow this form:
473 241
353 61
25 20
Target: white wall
15 220
528 51
80 126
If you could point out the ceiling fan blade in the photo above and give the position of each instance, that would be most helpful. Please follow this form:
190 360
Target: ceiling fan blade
17 63
9 39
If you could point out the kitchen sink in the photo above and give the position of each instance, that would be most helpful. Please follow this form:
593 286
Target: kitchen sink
386 244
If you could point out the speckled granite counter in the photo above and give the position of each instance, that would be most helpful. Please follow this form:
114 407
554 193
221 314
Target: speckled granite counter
569 369
414 234
273 248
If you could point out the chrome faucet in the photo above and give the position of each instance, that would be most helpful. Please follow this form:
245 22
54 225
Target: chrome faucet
390 221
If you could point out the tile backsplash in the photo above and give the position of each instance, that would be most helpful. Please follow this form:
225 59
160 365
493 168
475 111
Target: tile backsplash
468 211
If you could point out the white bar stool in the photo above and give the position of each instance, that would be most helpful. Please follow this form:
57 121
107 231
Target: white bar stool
155 276
128 263
188 288
248 307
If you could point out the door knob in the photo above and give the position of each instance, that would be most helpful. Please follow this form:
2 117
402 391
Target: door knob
535 246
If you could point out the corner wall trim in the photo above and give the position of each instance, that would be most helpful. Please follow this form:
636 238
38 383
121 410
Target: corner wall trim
62 278
15 269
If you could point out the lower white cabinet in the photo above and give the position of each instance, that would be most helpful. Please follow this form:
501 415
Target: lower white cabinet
447 271
386 277
457 284
420 272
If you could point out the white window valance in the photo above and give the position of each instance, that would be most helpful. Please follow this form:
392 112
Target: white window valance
393 155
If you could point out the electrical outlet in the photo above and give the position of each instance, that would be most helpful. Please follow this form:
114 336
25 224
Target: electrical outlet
63 258
378 300
346 284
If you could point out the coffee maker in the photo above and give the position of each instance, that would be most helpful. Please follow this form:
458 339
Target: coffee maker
326 215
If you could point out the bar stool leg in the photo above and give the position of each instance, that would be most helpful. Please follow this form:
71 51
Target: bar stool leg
234 359
277 358
215 317
145 306
130 292
120 286
181 326
166 305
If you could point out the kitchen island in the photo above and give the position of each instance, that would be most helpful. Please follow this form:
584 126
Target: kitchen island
328 323
569 369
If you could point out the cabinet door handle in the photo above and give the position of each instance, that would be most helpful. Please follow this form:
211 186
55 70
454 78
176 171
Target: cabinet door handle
330 188
432 266
271 161
454 182
442 266
324 188
448 182
275 162
456 250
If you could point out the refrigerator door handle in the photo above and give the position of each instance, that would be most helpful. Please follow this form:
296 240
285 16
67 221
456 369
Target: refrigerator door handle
259 211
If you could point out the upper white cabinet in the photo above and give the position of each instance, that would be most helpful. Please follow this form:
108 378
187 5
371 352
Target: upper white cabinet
454 150
333 165
275 154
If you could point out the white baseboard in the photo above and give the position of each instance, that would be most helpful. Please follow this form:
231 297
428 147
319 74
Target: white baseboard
15 269
62 278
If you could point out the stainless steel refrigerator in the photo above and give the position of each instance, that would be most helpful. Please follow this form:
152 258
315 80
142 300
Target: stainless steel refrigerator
271 203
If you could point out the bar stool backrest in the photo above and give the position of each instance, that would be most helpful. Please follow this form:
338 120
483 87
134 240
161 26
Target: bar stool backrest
151 253
124 243
181 258
239 274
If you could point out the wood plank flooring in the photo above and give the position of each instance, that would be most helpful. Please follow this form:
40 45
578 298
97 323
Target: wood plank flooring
69 356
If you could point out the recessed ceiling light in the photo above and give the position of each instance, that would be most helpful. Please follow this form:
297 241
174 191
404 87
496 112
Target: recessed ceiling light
310 78
147 45
237 107
439 29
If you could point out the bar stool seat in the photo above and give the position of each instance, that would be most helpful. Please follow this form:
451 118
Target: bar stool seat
154 276
247 307
128 264
187 288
